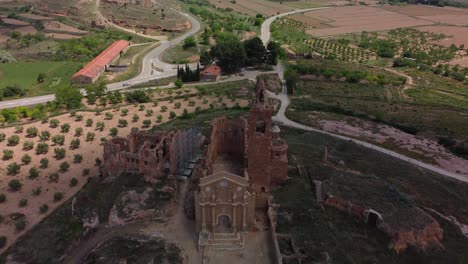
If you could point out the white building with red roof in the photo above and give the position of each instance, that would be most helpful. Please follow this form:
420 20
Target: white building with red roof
94 69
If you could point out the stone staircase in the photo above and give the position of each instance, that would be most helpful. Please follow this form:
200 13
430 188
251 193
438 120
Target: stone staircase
222 241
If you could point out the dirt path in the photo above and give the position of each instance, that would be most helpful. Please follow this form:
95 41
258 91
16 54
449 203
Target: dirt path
281 118
177 229
409 81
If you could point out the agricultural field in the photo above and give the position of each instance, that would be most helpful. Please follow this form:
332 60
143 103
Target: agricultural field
316 228
26 76
434 108
344 20
291 33
45 159
153 20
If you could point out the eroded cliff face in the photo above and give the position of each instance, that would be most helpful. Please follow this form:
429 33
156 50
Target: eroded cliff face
429 236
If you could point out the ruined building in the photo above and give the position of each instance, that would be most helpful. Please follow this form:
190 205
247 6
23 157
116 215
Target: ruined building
244 158
151 154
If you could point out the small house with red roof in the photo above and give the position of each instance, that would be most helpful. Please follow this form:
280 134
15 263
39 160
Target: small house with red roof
94 69
211 73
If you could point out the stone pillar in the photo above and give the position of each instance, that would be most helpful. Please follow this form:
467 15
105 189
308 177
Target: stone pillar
213 218
234 218
244 224
203 218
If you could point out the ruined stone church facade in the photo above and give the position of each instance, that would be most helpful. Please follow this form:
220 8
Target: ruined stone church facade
244 159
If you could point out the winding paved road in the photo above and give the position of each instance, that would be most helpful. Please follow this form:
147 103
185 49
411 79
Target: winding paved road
153 68
281 117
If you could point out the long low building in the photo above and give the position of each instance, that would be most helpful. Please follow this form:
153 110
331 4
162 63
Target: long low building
94 69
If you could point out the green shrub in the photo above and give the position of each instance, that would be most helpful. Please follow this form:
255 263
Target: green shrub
44 136
20 224
31 131
33 173
77 158
2 197
13 140
44 163
73 182
28 145
26 159
54 123
65 128
58 139
64 166
42 148
172 115
58 196
19 129
75 143
89 122
53 177
7 154
43 208
60 153
78 131
113 131
100 126
15 185
13 168
86 172
123 123
23 202
90 136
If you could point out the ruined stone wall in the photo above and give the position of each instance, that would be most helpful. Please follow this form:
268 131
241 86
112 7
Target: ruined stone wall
227 137
422 237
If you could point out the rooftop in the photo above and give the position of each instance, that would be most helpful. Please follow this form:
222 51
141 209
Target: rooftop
211 70
93 68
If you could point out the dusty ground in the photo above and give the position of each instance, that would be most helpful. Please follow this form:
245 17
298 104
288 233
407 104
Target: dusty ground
350 19
89 150
63 28
393 139
444 15
455 35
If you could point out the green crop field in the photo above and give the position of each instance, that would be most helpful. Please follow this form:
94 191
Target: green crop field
24 74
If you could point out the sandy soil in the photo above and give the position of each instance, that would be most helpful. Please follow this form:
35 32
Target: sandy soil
249 35
89 150
62 36
14 22
352 19
455 35
34 17
63 28
444 15
386 135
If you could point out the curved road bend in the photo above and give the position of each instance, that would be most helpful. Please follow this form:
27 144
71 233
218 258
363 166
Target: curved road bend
147 73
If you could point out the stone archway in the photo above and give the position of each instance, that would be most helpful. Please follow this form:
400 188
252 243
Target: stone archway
224 224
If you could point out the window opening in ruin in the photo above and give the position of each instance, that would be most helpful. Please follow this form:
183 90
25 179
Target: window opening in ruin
372 219
224 224
260 96
260 126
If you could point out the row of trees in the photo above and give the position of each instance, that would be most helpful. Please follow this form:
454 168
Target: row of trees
185 74
232 54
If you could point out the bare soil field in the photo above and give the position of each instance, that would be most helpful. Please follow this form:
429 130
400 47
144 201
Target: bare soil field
456 35
344 20
29 16
55 26
62 36
14 22
253 7
90 151
445 15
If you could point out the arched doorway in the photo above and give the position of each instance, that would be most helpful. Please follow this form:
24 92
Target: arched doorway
372 219
224 224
